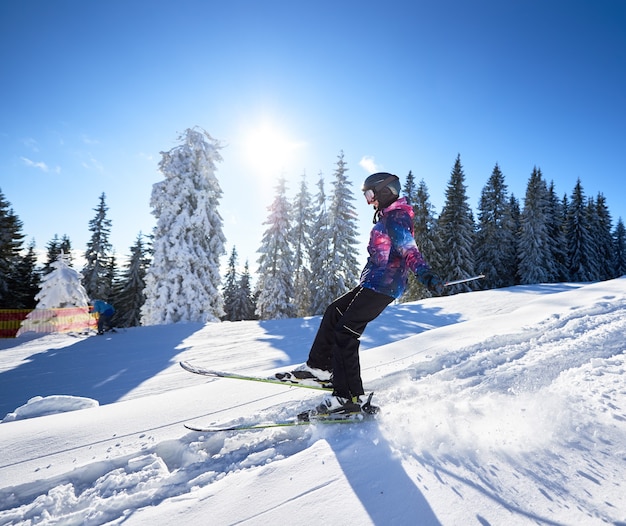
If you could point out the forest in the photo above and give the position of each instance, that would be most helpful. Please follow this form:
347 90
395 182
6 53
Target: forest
307 252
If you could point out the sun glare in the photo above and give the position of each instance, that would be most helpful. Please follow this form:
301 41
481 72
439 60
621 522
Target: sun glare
269 150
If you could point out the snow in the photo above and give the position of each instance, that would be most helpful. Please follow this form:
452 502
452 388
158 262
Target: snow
498 407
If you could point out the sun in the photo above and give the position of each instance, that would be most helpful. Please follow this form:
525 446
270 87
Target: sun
268 149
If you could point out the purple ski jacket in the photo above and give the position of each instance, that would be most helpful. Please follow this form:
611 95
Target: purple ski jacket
393 252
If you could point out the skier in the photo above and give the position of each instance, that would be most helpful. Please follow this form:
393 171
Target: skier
393 253
105 313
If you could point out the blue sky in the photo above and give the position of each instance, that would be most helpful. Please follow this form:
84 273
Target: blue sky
93 91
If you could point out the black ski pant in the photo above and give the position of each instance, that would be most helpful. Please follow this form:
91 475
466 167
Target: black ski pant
336 345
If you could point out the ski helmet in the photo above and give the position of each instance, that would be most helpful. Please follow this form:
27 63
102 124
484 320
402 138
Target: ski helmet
382 187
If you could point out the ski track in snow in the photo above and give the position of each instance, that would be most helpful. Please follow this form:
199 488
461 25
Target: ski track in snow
474 419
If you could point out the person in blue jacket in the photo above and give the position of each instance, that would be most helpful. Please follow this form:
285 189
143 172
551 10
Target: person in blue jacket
393 253
105 313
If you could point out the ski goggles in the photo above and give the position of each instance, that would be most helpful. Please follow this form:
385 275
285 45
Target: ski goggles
370 197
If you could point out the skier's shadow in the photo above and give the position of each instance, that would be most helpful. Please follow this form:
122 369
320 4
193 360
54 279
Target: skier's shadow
378 478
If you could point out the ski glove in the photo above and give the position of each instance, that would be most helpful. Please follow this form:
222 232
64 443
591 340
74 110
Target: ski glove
432 282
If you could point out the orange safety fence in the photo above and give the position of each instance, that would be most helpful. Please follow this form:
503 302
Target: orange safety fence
14 322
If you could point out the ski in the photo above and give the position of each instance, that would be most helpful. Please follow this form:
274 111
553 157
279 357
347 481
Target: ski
352 418
287 381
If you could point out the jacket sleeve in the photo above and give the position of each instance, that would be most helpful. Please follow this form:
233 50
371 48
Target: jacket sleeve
404 242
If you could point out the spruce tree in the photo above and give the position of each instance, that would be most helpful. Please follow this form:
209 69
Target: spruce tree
321 280
619 249
344 269
275 284
301 230
129 289
183 280
604 239
455 230
98 254
230 287
243 302
424 224
514 209
580 244
26 280
535 255
556 233
495 235
11 239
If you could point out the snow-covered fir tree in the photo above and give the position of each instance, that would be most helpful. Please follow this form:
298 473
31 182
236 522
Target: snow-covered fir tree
275 264
26 280
321 279
344 268
229 289
129 297
495 251
619 249
243 306
424 223
54 247
60 289
535 263
455 231
301 230
516 214
183 281
580 243
98 254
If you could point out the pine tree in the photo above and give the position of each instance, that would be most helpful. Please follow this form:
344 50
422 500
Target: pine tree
344 268
495 235
98 255
321 280
604 240
275 285
556 233
455 230
424 223
129 290
243 304
11 239
183 281
26 280
514 209
409 190
230 287
619 249
301 229
535 256
580 244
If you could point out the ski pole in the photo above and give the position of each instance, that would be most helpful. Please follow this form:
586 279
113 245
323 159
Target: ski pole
458 281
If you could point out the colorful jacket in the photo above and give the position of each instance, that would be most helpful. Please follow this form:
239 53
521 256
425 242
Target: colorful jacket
393 252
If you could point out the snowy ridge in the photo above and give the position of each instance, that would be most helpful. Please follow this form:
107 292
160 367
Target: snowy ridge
499 407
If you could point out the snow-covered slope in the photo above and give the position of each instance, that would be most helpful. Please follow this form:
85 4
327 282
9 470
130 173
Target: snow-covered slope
499 407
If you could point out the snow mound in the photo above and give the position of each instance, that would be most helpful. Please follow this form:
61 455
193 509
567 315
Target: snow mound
50 405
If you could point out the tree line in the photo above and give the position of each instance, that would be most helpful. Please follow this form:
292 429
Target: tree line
307 255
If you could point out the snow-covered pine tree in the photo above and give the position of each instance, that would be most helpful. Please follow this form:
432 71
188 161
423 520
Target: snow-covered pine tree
301 229
60 289
275 270
516 214
11 239
619 249
495 246
455 231
320 285
580 243
129 290
243 303
344 269
98 254
183 280
54 247
424 223
229 289
535 257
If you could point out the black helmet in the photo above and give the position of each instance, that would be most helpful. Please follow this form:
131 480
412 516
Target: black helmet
384 187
